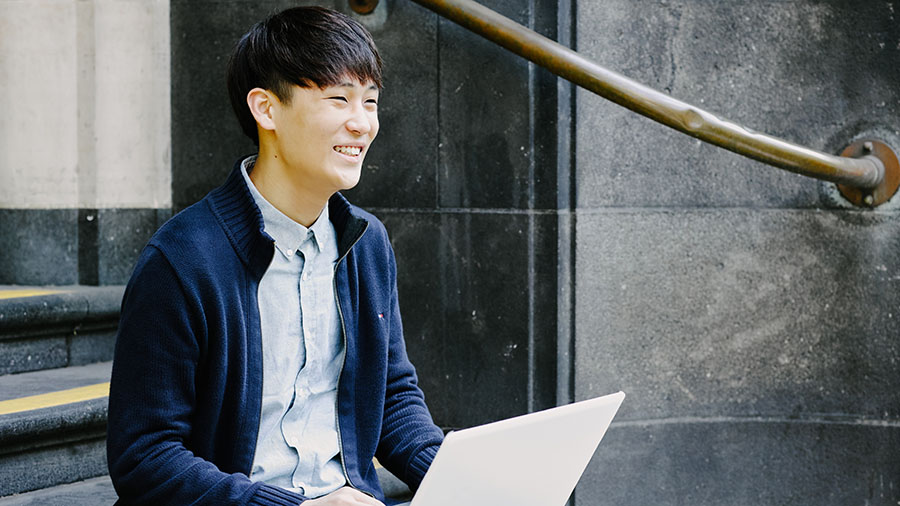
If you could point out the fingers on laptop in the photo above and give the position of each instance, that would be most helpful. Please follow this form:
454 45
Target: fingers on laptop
345 496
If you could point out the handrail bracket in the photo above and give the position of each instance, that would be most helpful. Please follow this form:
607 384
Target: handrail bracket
886 160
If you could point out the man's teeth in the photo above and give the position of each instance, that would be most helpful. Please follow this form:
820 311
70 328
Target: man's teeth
348 150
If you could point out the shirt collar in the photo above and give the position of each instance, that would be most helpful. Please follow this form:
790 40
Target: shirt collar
288 234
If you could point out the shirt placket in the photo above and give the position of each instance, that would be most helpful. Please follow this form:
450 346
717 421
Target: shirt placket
308 330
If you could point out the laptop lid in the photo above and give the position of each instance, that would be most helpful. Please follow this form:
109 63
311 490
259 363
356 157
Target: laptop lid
531 460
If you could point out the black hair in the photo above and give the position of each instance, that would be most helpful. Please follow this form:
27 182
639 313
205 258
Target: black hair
304 46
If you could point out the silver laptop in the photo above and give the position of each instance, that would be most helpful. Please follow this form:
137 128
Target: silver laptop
531 460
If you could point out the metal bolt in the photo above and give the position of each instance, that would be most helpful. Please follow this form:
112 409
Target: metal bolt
868 147
869 200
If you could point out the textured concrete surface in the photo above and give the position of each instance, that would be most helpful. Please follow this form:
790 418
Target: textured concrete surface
99 134
736 462
27 431
90 344
131 116
74 246
44 247
75 327
815 73
480 346
121 235
40 382
738 312
400 169
58 464
66 443
778 322
485 154
90 492
32 174
752 330
22 355
96 491
73 304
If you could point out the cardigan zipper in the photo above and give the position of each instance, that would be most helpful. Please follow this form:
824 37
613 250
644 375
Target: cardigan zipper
337 396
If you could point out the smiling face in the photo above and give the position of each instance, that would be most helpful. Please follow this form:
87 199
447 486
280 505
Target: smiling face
322 136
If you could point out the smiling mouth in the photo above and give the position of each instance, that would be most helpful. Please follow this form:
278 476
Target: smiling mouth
348 150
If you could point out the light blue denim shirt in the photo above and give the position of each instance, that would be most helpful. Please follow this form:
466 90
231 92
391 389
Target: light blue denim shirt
297 447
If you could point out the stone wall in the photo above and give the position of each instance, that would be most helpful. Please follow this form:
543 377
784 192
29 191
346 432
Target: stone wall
85 139
552 246
750 317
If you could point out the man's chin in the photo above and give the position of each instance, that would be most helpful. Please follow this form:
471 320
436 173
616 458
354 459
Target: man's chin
349 181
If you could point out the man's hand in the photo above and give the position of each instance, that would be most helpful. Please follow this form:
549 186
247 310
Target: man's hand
345 496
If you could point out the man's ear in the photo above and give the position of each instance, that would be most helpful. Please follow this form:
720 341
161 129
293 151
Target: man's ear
262 103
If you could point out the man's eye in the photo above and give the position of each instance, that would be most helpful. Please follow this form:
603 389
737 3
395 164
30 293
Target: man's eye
342 99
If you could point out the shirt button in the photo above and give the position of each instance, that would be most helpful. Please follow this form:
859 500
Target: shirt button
289 253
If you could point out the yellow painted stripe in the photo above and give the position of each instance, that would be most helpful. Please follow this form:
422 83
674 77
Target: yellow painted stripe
51 399
26 292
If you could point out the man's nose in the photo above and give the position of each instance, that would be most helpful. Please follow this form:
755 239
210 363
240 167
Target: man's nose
360 123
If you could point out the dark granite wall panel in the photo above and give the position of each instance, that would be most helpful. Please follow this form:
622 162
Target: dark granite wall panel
735 462
485 139
704 316
74 246
122 234
206 138
40 246
545 292
479 318
740 313
88 247
400 171
753 333
813 72
463 284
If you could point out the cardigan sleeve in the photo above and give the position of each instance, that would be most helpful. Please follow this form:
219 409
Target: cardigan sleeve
409 437
152 398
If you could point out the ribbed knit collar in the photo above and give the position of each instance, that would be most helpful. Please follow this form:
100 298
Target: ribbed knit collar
240 217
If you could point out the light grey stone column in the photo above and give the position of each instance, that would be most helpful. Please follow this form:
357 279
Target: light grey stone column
85 91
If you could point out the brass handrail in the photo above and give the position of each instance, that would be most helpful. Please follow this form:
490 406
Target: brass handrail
867 172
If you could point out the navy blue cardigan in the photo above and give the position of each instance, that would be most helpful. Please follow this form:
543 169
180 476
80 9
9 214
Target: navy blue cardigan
186 386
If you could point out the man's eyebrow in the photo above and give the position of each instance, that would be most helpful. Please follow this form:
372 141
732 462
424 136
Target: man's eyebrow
348 84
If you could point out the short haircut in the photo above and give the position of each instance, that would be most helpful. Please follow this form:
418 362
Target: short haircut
304 46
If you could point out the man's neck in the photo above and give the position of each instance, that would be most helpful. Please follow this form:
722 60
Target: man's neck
277 184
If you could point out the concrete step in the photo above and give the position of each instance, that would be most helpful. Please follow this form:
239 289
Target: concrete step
53 427
50 327
53 433
97 491
91 492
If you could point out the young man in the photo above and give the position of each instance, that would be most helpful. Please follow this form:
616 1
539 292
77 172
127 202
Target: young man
260 356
